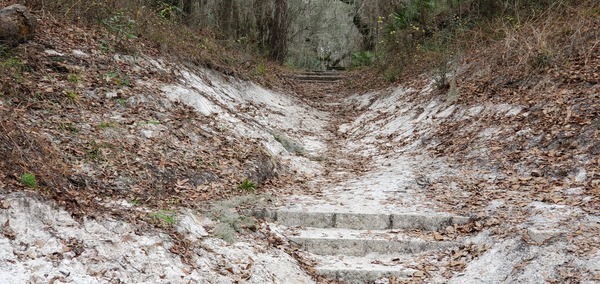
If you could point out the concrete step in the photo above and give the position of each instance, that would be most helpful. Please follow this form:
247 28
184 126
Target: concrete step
316 81
361 221
320 72
325 78
318 76
355 247
362 270
349 242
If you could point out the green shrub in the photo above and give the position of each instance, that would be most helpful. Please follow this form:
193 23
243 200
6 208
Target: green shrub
121 26
363 58
29 180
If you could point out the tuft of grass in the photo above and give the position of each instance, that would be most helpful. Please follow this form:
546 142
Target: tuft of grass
69 127
93 152
164 217
116 78
391 74
363 58
11 62
29 180
74 78
104 125
121 102
261 69
541 59
247 185
72 95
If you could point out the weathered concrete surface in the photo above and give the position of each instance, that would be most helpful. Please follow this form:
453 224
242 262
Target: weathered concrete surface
362 269
363 242
362 221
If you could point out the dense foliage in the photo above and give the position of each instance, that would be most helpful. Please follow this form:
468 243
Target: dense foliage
314 34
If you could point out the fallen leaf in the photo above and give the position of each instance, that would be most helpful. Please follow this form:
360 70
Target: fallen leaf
419 274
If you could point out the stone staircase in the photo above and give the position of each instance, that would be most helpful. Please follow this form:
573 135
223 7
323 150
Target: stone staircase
318 76
362 247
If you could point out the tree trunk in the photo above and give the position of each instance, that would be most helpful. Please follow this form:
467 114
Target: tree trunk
263 13
226 18
17 25
279 31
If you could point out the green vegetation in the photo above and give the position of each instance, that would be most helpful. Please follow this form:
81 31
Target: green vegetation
69 127
121 28
105 124
11 62
167 11
427 34
117 78
165 217
12 71
10 65
226 232
4 51
74 78
121 102
363 58
261 69
29 180
93 151
72 95
247 185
